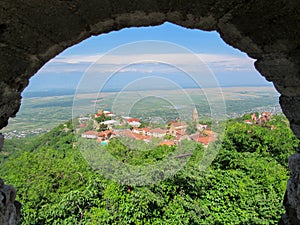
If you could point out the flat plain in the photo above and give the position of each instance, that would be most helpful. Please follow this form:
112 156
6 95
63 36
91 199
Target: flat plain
44 113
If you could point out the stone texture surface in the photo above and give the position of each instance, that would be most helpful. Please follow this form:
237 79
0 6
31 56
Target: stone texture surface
292 195
1 141
32 32
9 208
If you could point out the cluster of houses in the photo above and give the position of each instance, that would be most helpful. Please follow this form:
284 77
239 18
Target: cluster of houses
130 127
260 119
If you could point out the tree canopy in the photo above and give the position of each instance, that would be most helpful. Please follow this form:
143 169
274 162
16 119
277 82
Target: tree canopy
244 184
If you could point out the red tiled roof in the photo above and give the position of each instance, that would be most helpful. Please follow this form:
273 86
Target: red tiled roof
130 134
203 139
178 124
141 137
168 143
266 113
158 130
133 120
91 132
146 129
126 133
82 125
104 133
178 137
209 133
248 121
180 132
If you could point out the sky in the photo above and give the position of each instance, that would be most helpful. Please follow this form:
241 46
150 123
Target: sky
229 66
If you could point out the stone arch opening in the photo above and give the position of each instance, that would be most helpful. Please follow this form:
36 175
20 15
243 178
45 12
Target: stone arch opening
69 86
266 31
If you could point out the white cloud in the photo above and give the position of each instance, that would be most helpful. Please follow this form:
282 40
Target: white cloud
148 63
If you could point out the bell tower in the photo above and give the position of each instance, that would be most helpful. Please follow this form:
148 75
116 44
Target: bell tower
195 115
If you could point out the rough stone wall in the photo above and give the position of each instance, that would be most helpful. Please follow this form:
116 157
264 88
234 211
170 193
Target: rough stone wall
32 32
9 208
291 198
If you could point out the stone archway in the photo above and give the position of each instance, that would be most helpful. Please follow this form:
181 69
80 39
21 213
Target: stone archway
32 32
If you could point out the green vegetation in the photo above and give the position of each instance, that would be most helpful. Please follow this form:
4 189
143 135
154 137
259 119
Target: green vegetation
102 127
101 118
49 112
244 184
44 112
192 127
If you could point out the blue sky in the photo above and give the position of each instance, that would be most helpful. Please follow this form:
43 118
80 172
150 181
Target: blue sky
230 66
196 40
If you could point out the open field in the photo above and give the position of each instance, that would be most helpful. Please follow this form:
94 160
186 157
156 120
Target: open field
48 112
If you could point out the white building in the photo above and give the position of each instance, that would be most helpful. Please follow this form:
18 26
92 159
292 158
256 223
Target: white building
90 134
110 122
158 132
134 124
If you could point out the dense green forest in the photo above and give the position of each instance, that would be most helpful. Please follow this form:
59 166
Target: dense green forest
244 184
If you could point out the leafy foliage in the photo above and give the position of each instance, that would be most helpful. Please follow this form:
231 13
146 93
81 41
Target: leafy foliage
275 139
101 118
192 127
102 127
244 185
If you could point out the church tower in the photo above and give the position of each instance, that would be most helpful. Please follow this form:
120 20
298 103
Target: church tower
195 115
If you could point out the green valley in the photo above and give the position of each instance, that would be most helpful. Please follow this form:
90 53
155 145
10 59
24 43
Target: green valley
40 114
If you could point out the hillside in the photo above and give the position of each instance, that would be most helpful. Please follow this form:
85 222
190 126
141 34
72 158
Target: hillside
40 113
244 184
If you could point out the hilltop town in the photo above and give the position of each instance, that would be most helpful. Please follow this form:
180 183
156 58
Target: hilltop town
105 125
259 119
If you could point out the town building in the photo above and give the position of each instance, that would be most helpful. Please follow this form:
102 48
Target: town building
90 134
104 135
158 132
176 127
142 131
195 115
132 135
201 127
110 122
203 139
134 122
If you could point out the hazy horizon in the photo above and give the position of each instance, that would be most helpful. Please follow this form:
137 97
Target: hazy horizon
229 66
